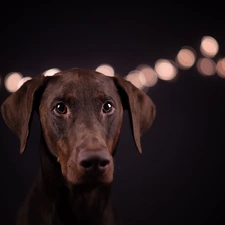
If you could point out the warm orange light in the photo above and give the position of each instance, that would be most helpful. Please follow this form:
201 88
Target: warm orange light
165 69
220 68
186 58
12 80
206 66
23 80
137 78
150 76
209 46
105 69
51 72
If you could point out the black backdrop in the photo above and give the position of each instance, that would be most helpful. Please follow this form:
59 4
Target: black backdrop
179 177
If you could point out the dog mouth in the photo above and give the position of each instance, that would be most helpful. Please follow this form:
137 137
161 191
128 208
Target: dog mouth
92 177
91 181
97 178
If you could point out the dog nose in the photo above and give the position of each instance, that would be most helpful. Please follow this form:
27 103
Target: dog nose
97 160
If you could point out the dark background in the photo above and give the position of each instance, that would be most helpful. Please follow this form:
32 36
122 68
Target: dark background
179 178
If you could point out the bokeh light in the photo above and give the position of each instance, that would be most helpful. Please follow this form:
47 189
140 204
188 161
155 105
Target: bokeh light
11 81
145 76
209 46
137 78
220 68
149 75
23 80
51 72
186 57
165 69
206 66
106 69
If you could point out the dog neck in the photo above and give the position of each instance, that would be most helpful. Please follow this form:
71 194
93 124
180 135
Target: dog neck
85 204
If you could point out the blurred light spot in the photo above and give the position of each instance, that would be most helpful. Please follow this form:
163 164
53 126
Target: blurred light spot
12 80
206 66
186 58
23 80
51 72
165 69
209 46
220 68
150 76
137 78
106 70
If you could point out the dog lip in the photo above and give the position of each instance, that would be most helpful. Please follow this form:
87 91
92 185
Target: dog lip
96 177
97 181
89 177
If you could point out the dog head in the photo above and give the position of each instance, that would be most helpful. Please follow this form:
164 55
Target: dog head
81 114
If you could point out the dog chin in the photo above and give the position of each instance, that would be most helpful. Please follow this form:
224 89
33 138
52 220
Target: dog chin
90 180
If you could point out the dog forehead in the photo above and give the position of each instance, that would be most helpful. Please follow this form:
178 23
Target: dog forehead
78 82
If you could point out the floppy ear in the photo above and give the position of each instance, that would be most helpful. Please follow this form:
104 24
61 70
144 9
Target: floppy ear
17 108
140 106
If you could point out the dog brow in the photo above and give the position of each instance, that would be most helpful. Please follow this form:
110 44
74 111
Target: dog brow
104 97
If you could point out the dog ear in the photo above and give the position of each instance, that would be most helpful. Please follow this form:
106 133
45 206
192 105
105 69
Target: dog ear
140 106
18 107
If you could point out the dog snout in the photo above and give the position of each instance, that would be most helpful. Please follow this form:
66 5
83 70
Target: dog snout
95 161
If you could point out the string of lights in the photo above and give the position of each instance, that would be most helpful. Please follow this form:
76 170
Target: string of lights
145 76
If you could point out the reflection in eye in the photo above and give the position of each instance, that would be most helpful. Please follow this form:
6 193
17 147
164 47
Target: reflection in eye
61 108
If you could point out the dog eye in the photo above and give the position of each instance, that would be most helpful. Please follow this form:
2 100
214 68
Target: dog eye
107 107
61 108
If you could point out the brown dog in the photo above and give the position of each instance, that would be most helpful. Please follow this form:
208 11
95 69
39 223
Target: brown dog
81 115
